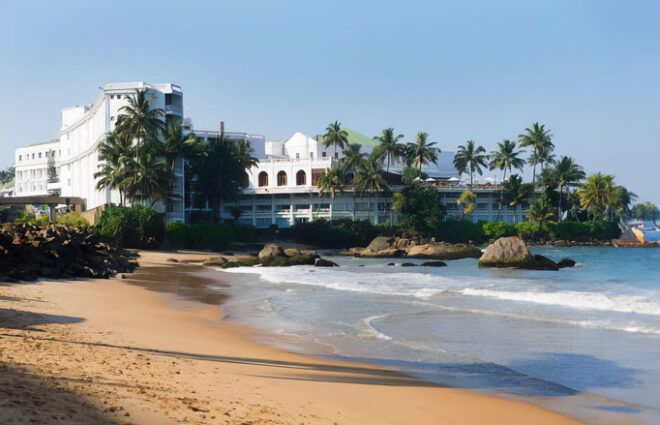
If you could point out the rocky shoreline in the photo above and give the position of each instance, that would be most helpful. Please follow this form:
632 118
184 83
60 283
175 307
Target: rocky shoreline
398 247
28 252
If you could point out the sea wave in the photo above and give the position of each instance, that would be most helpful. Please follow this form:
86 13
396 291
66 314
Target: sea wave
575 299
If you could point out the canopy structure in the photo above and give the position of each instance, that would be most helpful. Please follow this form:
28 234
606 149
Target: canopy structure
49 200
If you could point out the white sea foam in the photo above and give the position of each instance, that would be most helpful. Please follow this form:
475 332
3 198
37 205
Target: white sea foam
575 299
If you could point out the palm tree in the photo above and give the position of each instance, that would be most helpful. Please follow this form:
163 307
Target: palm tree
370 178
542 156
596 194
470 158
330 183
541 211
389 147
536 137
140 120
505 158
243 154
176 146
335 136
150 179
352 158
567 174
422 152
113 154
515 192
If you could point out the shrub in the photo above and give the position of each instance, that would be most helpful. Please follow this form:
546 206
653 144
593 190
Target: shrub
132 227
28 218
196 236
333 234
457 231
583 231
421 208
498 229
245 233
72 219
527 229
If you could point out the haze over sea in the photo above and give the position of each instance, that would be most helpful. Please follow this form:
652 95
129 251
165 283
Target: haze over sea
584 341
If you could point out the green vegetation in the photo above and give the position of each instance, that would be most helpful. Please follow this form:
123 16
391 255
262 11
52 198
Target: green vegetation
72 219
421 209
7 175
198 236
334 234
646 211
29 218
132 227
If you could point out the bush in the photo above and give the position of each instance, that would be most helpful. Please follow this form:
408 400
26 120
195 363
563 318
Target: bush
28 218
72 219
132 227
199 236
527 229
498 229
583 231
458 231
245 233
340 233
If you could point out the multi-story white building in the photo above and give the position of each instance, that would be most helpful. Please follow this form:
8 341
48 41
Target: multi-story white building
282 187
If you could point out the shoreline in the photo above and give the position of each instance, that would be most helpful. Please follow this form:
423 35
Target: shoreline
128 352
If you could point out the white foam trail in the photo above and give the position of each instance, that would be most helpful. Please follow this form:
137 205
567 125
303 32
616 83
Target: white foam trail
370 330
575 299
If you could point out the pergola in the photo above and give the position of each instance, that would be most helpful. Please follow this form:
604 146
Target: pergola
49 200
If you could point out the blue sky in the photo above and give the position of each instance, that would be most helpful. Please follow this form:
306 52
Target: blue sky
482 70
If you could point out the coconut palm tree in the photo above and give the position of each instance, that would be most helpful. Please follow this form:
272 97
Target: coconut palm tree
114 152
352 158
568 174
515 192
370 178
331 182
176 146
422 152
335 136
541 211
469 159
543 156
389 147
150 179
142 122
536 137
506 157
596 194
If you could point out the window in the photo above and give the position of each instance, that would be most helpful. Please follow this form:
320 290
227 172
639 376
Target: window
168 99
283 208
336 155
263 179
32 156
301 178
311 155
297 155
263 222
281 178
324 154
263 208
316 175
482 205
39 155
20 157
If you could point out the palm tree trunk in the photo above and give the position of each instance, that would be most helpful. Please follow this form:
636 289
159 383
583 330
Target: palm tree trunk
499 210
561 190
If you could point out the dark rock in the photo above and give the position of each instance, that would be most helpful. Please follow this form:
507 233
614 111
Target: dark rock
172 260
408 264
566 262
390 264
434 264
539 262
321 262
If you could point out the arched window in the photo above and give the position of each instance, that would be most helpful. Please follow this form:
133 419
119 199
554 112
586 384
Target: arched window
281 178
301 178
263 179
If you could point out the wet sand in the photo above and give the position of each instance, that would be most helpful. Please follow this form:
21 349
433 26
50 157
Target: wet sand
153 349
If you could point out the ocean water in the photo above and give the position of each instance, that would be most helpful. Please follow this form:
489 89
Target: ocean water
583 341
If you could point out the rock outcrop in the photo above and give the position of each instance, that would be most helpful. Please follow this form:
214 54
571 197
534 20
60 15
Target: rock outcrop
393 247
443 251
566 262
271 250
56 251
506 252
434 264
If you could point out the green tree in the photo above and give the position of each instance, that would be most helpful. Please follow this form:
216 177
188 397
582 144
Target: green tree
541 211
176 146
220 173
568 174
506 158
115 155
469 159
7 175
421 209
149 179
539 139
422 152
370 179
352 159
141 121
515 193
331 182
646 211
597 194
389 148
335 136
543 156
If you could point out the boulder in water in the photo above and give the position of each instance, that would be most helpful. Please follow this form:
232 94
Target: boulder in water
566 262
434 264
506 252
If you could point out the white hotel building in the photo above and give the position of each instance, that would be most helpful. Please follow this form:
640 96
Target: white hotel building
282 187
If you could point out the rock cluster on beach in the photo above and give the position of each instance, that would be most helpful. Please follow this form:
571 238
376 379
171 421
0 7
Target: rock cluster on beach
273 255
28 252
512 252
386 246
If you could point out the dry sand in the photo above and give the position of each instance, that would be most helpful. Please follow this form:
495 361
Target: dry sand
125 352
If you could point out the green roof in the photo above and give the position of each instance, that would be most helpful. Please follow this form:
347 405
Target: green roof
359 138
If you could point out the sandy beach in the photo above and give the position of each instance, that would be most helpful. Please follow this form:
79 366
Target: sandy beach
154 349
